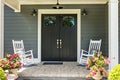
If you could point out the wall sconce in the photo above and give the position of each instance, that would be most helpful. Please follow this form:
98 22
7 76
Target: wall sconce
84 12
57 6
34 12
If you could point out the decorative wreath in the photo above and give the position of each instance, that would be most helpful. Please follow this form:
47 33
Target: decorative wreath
50 21
68 21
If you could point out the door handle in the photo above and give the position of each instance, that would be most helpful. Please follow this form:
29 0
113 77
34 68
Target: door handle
57 43
60 43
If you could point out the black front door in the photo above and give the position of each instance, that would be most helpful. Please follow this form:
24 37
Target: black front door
59 37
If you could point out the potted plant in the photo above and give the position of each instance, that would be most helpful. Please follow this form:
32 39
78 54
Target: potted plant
97 64
14 62
11 62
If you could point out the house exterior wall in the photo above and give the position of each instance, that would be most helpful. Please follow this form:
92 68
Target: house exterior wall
119 30
20 26
24 26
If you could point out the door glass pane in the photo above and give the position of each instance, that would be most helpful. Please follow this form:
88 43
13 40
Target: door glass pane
68 21
49 21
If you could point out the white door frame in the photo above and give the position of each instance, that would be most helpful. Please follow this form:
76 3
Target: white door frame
60 11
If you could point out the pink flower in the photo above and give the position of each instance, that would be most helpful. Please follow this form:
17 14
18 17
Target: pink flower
101 69
87 66
21 65
4 62
88 76
93 72
108 61
104 73
93 59
17 62
11 63
12 66
98 54
14 54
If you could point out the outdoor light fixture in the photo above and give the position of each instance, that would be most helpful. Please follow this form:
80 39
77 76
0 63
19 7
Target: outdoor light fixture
84 12
34 12
57 6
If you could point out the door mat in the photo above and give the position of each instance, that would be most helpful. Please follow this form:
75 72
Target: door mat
52 62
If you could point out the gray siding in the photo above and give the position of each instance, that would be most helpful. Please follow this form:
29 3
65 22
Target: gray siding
94 26
24 26
20 26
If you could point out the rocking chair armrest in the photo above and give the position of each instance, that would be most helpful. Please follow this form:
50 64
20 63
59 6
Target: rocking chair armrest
28 51
83 51
87 55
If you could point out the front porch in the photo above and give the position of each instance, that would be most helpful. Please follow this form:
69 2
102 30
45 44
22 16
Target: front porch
95 25
65 71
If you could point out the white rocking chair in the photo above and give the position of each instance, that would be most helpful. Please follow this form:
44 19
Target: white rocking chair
93 46
26 56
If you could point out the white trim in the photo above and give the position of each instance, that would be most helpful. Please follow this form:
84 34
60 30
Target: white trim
1 29
113 32
60 11
33 2
15 5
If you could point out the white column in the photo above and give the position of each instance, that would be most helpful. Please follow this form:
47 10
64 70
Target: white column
1 29
113 32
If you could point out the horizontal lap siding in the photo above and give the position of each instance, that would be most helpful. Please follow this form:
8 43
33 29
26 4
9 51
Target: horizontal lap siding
18 26
24 26
94 26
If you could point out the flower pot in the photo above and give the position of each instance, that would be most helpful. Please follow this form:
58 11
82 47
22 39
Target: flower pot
14 71
6 72
12 77
97 76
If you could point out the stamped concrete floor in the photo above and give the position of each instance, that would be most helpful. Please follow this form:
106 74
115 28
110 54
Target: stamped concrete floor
65 70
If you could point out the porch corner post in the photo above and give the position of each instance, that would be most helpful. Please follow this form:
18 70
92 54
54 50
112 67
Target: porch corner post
113 32
1 29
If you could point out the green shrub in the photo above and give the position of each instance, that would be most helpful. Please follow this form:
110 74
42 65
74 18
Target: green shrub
114 74
2 74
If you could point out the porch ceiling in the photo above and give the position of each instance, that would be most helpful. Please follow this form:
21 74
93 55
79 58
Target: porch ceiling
15 4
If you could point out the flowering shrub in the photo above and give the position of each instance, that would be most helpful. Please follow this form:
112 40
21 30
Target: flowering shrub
2 74
10 62
4 63
96 64
114 74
